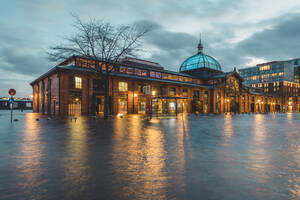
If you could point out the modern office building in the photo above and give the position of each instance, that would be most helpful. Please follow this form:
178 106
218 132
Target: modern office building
279 78
137 86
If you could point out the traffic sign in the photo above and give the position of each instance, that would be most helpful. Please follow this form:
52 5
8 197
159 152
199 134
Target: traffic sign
11 92
11 100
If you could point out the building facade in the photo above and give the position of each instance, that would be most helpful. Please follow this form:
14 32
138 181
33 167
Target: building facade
278 78
19 103
137 86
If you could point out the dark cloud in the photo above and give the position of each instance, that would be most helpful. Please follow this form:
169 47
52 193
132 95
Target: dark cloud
23 62
279 42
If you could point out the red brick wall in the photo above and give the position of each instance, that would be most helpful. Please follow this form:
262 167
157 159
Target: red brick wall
64 93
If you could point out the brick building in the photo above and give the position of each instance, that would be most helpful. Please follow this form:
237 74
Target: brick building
74 87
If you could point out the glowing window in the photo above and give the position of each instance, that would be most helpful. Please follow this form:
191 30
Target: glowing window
123 86
78 82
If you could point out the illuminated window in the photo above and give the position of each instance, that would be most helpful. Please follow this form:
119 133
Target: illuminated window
164 76
263 68
184 92
78 82
138 72
152 74
123 86
158 75
172 91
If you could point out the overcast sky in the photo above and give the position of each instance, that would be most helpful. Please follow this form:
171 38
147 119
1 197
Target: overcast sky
238 33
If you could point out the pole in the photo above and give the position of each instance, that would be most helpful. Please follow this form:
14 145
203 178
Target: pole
11 111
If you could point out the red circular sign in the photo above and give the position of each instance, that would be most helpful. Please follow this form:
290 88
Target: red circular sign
12 92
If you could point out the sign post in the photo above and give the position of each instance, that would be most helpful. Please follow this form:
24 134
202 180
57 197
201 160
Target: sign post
11 101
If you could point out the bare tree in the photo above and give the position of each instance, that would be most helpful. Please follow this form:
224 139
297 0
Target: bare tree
103 42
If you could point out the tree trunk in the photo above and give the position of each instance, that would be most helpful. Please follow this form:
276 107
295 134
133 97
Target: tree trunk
106 97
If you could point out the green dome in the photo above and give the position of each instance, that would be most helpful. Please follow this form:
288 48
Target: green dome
200 60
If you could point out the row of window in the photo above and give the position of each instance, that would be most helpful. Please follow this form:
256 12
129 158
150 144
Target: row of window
264 76
139 72
264 68
158 75
123 87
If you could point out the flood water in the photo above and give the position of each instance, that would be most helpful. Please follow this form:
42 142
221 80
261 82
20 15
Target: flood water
192 157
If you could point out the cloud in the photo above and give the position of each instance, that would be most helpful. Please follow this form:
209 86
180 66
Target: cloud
236 33
279 42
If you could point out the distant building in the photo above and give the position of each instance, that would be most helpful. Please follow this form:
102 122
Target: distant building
139 86
279 78
19 103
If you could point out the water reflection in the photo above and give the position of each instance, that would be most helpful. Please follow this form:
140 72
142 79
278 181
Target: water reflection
180 153
228 130
138 158
207 157
289 117
29 159
260 158
76 158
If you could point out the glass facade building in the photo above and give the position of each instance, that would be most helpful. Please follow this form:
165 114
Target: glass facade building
268 73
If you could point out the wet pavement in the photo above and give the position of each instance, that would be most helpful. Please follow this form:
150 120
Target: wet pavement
192 157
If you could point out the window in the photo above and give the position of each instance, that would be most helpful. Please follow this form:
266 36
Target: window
152 74
172 91
98 85
78 82
130 70
158 75
142 89
123 86
263 68
196 94
164 76
138 72
184 92
123 69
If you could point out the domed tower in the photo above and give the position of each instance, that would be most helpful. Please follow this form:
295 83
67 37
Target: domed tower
200 64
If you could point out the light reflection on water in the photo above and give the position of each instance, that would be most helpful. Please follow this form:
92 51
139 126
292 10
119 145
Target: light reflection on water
228 130
204 157
138 158
76 158
260 158
29 160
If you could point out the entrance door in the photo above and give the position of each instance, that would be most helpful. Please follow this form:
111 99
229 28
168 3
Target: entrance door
252 107
99 104
122 106
232 104
74 109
